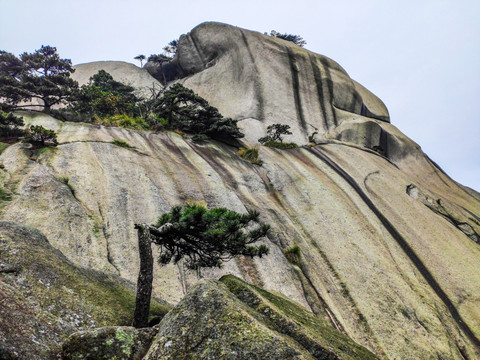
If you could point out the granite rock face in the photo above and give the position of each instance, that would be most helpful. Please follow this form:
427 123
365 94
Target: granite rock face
239 321
121 71
394 269
112 342
263 80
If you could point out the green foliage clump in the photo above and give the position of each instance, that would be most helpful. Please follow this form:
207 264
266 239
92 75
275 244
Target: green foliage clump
10 125
311 138
207 237
41 137
158 58
40 75
5 195
296 39
104 96
250 154
280 145
121 143
180 108
123 120
293 255
66 181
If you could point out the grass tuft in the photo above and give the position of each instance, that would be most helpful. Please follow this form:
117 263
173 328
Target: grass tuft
280 145
123 121
293 255
121 143
250 154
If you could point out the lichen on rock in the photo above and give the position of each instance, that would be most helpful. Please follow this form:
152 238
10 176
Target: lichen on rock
112 342
234 320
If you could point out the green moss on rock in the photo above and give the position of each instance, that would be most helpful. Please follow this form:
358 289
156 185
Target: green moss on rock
236 320
120 343
45 297
292 320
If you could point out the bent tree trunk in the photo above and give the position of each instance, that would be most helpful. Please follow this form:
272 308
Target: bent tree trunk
145 277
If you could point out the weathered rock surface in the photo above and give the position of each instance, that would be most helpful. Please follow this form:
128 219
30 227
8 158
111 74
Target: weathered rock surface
112 342
376 262
121 71
239 321
44 297
427 304
263 80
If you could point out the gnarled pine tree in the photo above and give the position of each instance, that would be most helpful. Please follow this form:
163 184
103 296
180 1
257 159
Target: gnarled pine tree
202 237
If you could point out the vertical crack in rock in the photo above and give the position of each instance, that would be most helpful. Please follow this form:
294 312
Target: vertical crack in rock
420 266
296 89
257 83
107 246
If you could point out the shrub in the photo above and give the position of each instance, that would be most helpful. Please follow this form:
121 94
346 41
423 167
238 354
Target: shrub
296 39
121 143
66 181
5 195
105 96
280 145
250 154
199 138
124 121
182 109
293 255
311 138
10 125
41 137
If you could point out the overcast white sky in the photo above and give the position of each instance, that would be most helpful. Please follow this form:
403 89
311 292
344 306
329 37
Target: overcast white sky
422 58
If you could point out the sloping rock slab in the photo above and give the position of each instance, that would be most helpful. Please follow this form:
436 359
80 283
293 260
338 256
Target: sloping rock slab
212 323
44 297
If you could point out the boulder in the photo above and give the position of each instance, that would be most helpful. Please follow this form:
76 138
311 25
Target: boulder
121 71
235 320
112 342
44 297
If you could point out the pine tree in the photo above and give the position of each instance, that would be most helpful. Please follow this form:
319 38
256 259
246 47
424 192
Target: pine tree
199 236
296 39
275 133
140 58
46 76
184 110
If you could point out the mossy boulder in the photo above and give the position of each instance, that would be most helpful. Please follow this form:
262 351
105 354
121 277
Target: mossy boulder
235 320
112 342
45 298
290 319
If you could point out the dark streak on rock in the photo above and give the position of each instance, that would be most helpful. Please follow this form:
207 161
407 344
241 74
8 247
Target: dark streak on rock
296 89
427 275
330 87
318 83
197 48
257 84
384 141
